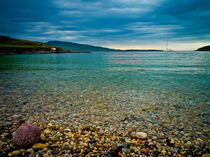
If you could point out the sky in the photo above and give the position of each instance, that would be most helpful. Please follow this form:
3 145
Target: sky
123 24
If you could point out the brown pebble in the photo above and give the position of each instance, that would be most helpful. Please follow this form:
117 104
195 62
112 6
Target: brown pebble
40 145
16 152
130 130
144 151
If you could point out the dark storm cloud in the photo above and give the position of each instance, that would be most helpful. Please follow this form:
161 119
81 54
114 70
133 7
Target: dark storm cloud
106 21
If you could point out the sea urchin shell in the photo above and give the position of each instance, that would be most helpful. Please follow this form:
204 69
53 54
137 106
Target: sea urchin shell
26 135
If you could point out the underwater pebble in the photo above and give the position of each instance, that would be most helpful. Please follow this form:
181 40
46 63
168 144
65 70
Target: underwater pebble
40 145
15 153
141 135
47 131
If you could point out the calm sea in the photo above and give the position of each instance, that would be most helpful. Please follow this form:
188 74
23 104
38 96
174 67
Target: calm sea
174 84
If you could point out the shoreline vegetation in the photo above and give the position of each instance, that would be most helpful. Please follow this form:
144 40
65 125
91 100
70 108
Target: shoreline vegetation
18 46
205 48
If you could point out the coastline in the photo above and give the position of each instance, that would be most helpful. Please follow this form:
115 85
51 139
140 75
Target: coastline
39 52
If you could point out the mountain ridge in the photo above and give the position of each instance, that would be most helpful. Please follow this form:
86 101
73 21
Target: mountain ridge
90 48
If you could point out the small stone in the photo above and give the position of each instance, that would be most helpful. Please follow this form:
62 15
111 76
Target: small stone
47 131
172 141
152 143
129 130
188 143
125 145
69 134
53 138
46 155
51 126
40 145
141 135
15 116
16 152
125 150
190 134
144 151
65 145
22 150
161 135
154 138
86 127
43 138
30 150
114 148
55 151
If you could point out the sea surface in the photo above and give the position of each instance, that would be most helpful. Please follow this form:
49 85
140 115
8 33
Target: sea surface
157 92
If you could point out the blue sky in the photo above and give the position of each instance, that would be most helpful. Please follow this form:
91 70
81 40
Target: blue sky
142 24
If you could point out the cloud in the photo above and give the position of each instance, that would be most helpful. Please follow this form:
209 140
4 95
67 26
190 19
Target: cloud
100 8
99 22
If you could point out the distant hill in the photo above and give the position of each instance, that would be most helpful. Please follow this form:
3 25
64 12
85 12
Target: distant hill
205 48
78 47
86 48
17 46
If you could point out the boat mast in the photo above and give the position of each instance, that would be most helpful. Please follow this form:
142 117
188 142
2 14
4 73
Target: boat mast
166 43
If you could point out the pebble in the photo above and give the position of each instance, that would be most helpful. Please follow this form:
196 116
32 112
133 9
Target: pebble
47 131
125 150
141 135
55 151
144 151
129 130
188 143
14 153
154 138
190 134
65 145
40 145
30 150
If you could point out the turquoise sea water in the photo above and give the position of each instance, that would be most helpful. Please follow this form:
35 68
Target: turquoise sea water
146 84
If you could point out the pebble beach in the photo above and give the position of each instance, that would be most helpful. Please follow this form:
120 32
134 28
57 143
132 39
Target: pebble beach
111 111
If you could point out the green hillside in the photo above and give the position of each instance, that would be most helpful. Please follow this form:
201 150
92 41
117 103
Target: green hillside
78 47
75 47
205 48
17 46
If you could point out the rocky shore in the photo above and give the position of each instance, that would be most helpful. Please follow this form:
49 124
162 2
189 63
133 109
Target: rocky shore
91 140
80 125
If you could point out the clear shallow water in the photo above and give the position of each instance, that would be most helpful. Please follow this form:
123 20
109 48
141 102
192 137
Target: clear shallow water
155 88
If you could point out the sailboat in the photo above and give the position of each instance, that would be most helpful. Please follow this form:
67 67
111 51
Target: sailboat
167 49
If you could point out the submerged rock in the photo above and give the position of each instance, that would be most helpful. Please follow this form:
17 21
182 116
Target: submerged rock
26 135
141 135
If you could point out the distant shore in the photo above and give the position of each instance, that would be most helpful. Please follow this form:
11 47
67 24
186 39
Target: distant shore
39 52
